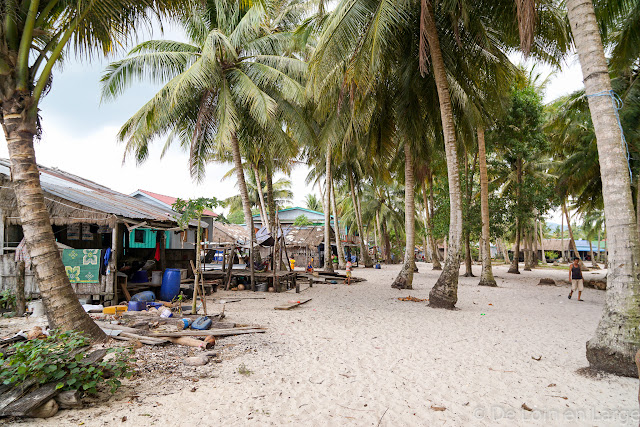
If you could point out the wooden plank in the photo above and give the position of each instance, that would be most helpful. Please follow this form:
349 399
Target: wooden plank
292 305
213 333
8 397
31 401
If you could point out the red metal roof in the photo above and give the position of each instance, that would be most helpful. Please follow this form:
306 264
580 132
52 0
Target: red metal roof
171 200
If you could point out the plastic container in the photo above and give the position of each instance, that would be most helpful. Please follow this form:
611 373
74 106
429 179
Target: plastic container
137 305
186 323
165 312
115 309
154 304
145 296
170 284
261 287
201 323
156 277
140 276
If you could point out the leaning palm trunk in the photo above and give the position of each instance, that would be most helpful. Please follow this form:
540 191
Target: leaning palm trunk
246 205
63 309
334 206
404 280
364 252
486 277
328 265
263 209
616 339
444 293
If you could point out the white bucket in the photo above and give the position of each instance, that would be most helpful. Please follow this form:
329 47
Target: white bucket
36 308
156 277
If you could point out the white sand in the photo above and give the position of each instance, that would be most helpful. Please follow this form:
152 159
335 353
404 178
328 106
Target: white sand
354 354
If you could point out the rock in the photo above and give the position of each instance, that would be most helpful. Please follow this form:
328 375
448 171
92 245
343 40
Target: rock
241 287
596 284
47 410
196 361
69 399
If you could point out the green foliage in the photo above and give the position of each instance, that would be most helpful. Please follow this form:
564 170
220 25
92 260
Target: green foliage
301 221
7 299
551 255
192 209
56 359
236 217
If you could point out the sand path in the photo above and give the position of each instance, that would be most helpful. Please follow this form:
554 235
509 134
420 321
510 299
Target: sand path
357 356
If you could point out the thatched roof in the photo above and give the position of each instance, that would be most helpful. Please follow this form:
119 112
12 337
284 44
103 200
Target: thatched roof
224 234
71 199
305 236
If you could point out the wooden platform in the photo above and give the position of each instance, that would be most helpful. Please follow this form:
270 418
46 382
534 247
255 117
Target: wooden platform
282 277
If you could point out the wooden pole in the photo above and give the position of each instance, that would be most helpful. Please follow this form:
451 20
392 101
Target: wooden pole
116 244
232 254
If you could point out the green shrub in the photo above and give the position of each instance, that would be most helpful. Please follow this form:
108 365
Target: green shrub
7 300
55 358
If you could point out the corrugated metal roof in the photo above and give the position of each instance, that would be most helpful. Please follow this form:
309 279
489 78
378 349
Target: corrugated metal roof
95 196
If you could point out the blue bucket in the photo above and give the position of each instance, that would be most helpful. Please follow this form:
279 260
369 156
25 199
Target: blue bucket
170 284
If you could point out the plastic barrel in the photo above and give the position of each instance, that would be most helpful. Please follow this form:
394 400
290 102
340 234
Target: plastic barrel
144 296
170 284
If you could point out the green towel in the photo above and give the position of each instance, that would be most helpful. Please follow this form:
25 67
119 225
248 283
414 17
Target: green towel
82 265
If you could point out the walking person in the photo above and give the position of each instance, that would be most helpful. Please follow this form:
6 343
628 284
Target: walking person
577 281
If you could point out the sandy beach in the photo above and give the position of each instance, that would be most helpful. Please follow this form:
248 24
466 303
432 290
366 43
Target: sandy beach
356 355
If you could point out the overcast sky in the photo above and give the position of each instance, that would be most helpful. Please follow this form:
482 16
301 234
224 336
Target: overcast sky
80 135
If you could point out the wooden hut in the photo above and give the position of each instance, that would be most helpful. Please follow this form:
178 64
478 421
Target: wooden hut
89 216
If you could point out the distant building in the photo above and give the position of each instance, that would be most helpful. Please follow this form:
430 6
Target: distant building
288 216
178 239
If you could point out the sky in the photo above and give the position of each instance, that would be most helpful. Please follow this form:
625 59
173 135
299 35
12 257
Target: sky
79 134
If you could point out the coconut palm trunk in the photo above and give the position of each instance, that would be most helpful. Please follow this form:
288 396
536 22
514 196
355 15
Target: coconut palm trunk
328 265
572 242
336 219
263 209
486 277
544 256
444 293
364 252
366 258
528 253
515 264
380 238
616 339
386 241
404 280
61 304
430 211
246 204
594 263
505 252
428 247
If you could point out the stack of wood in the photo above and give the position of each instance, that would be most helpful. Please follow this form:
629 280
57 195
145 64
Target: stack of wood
151 330
30 399
328 277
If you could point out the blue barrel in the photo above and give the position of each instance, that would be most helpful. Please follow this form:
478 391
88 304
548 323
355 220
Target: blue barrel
170 284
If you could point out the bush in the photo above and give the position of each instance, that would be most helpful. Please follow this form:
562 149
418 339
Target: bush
56 358
7 300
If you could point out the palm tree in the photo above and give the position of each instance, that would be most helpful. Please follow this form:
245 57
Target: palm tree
616 339
34 37
311 202
230 82
486 277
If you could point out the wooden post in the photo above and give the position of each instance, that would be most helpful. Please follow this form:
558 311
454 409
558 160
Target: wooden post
161 239
20 299
224 258
116 245
232 254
